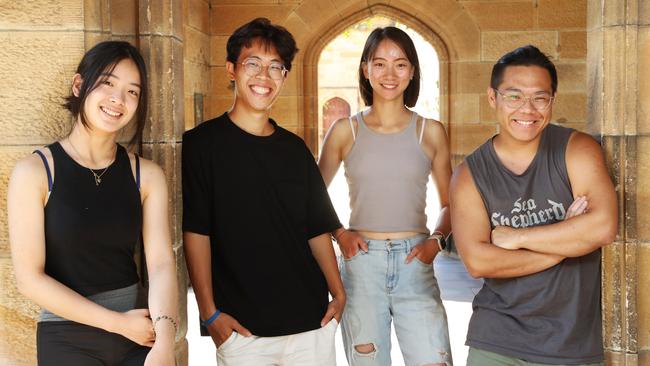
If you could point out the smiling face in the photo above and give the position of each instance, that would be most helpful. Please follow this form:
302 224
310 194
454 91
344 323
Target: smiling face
256 93
114 101
388 71
523 124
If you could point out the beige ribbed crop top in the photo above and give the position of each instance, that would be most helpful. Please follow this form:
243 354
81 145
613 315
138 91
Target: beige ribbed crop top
387 175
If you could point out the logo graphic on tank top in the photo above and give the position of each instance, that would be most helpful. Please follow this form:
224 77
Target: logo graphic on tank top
525 213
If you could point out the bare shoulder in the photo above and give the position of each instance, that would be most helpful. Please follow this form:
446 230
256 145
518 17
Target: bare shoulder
580 142
435 126
29 173
435 130
582 151
434 139
461 178
586 166
32 167
342 130
151 174
340 137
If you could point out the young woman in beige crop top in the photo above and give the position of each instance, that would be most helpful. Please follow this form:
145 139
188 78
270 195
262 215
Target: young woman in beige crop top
388 154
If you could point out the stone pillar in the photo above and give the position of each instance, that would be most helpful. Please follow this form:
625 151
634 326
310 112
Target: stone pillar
160 39
618 70
42 42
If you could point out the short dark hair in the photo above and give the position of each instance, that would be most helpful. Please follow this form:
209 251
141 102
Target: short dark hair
270 35
406 44
523 56
95 64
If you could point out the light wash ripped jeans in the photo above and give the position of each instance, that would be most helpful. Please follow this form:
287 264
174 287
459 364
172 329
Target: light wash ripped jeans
381 287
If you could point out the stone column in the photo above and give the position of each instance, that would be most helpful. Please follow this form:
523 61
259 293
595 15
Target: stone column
42 42
160 39
618 70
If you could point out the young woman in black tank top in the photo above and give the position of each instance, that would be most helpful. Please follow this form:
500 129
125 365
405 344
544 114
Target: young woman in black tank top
389 153
77 209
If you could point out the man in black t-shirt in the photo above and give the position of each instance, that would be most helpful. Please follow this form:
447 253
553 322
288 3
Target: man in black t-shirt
257 218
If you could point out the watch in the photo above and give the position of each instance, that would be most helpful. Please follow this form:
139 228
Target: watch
442 244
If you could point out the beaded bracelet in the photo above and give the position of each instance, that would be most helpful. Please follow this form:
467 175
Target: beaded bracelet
166 317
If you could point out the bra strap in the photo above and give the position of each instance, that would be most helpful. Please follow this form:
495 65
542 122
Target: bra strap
47 169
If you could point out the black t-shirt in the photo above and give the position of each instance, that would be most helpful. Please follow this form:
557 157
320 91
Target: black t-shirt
259 199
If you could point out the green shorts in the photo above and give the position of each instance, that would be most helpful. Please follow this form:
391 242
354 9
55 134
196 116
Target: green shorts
477 357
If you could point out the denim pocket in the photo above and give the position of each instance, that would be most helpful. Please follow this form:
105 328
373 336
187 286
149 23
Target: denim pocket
356 255
420 262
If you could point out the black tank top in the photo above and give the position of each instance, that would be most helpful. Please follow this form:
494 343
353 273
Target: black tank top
91 230
553 316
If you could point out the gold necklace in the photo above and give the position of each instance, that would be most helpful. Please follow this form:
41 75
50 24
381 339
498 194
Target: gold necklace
98 177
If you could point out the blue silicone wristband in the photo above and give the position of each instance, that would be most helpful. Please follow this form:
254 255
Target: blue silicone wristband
209 321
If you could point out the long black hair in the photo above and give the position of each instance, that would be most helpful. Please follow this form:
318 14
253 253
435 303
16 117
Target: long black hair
96 63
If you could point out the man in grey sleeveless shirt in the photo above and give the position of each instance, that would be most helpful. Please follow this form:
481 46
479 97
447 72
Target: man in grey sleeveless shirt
530 210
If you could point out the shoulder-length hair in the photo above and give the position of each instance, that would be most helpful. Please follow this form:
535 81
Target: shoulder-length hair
406 44
93 68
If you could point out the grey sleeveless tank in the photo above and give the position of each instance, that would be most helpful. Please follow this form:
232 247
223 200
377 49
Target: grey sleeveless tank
553 316
387 176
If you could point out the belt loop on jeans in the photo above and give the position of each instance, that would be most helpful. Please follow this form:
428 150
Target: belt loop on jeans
408 245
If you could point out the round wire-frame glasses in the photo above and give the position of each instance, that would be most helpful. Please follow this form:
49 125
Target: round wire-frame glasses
276 71
516 100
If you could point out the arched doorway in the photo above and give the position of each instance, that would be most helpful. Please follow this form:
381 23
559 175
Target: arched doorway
338 69
312 108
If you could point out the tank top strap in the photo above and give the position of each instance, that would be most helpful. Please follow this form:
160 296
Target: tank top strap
421 133
57 151
412 126
121 154
60 160
354 133
137 171
361 123
122 158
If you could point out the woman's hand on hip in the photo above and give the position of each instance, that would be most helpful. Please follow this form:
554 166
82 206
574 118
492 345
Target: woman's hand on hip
426 251
350 242
137 326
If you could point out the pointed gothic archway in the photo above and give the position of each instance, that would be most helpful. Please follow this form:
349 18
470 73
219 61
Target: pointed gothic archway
316 46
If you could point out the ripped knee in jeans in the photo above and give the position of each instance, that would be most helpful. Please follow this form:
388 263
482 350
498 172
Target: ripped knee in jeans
368 350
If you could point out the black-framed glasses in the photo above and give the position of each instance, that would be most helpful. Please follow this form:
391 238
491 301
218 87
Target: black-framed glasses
516 100
254 67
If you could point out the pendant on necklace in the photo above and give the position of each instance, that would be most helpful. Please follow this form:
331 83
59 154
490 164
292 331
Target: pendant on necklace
98 179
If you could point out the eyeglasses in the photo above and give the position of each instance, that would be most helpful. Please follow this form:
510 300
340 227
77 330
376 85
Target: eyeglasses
516 100
254 67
